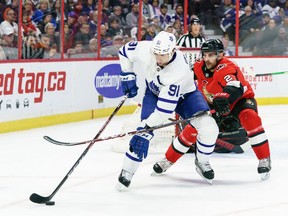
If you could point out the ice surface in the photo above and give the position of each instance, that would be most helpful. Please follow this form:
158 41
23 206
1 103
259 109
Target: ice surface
29 164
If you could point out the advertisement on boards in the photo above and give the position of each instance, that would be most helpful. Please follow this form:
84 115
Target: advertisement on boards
29 90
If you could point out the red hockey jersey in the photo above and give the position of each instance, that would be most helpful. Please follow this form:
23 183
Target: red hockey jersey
210 83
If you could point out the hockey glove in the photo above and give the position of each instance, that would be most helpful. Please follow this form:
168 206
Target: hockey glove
140 143
221 103
128 84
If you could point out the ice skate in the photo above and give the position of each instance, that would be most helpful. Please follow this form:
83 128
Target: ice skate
124 180
161 166
264 168
205 171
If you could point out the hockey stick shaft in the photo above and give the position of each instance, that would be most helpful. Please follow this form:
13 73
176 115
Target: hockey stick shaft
49 139
272 73
40 199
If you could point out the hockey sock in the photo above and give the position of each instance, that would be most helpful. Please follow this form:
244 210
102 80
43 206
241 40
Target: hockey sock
181 144
131 162
252 123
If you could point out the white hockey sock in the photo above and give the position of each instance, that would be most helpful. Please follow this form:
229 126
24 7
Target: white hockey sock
131 162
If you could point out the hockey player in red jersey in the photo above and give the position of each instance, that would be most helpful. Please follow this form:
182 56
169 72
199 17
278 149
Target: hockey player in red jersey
226 90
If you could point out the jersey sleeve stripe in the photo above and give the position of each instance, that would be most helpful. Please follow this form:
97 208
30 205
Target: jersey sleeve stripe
164 110
123 53
167 100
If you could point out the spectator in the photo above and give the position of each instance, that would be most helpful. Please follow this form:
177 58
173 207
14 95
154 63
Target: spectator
93 23
271 8
84 36
266 39
56 13
29 8
227 51
132 17
106 8
84 17
170 29
285 24
112 50
249 26
9 15
7 43
255 8
93 47
265 20
72 21
156 8
54 37
147 10
28 26
226 13
14 4
179 14
67 37
77 51
158 28
89 6
78 7
280 44
47 18
151 31
114 28
105 40
164 18
43 7
285 8
178 28
117 13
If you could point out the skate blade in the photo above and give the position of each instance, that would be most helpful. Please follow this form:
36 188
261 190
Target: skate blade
265 176
120 187
210 181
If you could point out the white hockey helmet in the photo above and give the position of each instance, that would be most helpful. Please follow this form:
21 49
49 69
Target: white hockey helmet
164 43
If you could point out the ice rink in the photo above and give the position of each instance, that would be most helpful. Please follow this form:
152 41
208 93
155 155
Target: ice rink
29 164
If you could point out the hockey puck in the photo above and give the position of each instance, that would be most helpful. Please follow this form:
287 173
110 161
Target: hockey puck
50 203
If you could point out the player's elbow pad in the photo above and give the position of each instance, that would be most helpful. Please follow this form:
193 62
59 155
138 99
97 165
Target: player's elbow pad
234 92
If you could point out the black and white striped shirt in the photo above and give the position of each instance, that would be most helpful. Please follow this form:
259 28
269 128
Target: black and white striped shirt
188 40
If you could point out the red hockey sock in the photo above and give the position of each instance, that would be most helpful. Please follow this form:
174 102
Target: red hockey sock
252 123
181 144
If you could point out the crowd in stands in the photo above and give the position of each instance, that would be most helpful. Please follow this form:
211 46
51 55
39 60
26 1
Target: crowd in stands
263 25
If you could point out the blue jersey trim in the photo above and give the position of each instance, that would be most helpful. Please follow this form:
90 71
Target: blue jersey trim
132 158
167 101
124 52
164 110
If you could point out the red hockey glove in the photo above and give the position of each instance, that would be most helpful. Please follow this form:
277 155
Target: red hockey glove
221 104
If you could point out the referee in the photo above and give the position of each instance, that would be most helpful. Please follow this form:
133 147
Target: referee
192 39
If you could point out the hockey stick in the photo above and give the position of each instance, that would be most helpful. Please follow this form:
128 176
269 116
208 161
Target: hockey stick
272 73
229 146
36 198
49 139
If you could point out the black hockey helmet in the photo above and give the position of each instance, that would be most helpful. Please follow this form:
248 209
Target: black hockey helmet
212 45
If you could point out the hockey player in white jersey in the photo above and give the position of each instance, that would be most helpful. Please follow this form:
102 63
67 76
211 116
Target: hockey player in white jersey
170 87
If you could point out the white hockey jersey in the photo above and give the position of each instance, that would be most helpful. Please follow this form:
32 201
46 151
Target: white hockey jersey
168 83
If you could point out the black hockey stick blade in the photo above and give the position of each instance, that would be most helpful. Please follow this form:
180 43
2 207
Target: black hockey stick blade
36 198
229 146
